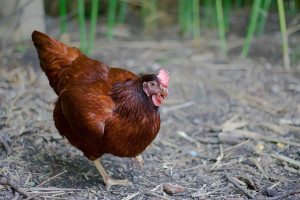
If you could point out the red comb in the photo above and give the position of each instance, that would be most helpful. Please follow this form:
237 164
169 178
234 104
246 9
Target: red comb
163 77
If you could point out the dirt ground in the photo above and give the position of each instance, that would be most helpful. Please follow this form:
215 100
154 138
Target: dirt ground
229 130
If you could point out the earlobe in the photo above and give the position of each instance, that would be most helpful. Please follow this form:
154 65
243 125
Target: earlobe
146 88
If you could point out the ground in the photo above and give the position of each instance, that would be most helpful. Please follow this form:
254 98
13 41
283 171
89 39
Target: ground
229 130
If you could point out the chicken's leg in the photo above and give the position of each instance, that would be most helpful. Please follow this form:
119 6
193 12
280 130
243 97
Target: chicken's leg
140 161
107 180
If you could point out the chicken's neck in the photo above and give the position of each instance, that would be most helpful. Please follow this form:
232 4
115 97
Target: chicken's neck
131 101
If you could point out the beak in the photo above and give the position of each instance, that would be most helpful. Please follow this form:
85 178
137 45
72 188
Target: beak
164 91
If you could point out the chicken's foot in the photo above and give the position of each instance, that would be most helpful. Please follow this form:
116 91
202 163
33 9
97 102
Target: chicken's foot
107 180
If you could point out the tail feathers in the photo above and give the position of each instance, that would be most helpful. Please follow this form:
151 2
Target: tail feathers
54 56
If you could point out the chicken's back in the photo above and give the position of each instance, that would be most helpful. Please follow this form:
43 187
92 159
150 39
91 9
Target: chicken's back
66 66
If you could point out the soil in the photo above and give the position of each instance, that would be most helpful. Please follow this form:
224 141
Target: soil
229 130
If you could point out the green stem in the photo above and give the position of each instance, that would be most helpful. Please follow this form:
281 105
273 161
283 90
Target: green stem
181 13
94 17
144 12
207 12
284 36
153 14
238 4
227 6
111 18
187 16
122 12
251 27
196 21
263 17
221 26
81 21
63 15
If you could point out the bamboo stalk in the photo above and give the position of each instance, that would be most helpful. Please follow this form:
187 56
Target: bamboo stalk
187 16
145 12
181 13
284 36
81 22
122 12
196 21
153 14
207 12
63 15
251 27
111 18
263 17
238 4
221 26
94 17
227 6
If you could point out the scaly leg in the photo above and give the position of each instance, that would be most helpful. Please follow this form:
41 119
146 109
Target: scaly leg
140 161
107 180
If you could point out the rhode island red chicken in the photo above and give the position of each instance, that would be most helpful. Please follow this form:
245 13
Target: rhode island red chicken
100 109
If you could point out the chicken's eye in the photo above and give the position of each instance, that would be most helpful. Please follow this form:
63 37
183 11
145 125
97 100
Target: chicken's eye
153 83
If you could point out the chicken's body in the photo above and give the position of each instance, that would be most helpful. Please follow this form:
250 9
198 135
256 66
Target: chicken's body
100 109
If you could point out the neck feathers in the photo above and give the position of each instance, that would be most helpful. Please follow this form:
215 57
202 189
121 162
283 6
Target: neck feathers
131 101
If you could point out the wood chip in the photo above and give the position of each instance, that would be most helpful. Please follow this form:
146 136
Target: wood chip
171 188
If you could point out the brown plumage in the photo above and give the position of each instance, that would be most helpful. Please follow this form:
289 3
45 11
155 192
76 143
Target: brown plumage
100 109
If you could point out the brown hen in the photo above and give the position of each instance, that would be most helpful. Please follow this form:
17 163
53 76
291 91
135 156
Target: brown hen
100 109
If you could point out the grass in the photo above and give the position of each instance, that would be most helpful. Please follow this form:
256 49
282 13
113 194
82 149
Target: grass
63 15
212 13
221 26
112 7
251 27
94 17
81 22
284 36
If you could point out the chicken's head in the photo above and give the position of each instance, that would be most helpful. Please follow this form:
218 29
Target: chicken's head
157 88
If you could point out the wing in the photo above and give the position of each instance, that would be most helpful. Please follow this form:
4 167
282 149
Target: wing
86 109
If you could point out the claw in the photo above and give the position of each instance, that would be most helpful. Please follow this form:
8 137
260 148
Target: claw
107 180
110 182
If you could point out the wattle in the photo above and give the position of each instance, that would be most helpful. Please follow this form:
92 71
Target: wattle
157 99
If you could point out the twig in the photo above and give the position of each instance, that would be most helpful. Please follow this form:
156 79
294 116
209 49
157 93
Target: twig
51 179
273 127
237 146
12 105
131 196
260 167
16 188
4 142
292 170
237 169
220 157
282 158
156 195
274 185
238 186
52 188
285 195
257 136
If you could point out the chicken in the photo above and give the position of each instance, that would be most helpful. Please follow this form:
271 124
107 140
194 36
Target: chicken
101 110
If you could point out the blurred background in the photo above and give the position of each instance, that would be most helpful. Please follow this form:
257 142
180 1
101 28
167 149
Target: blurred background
233 109
233 27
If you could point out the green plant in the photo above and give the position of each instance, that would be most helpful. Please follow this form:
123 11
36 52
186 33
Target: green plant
221 26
